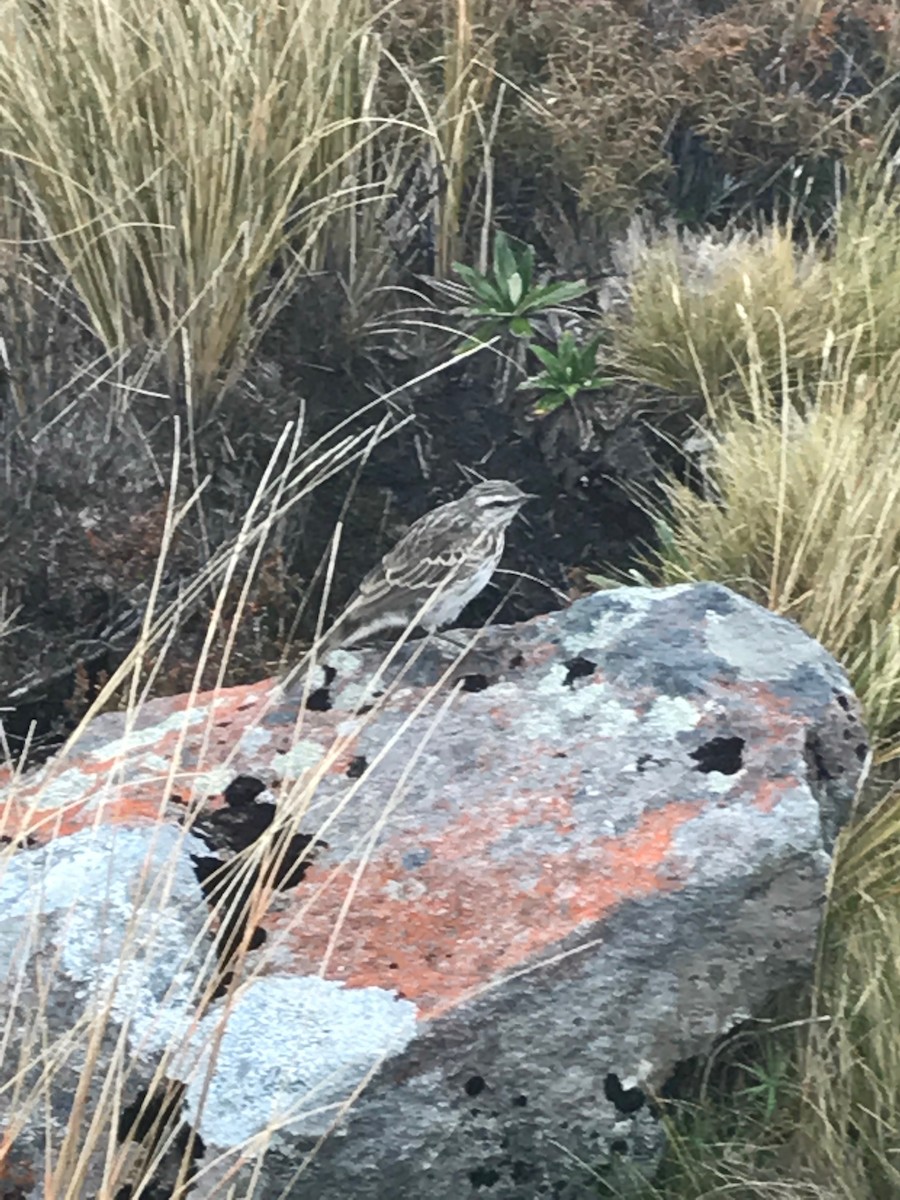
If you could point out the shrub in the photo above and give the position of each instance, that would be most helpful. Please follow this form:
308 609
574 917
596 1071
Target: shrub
620 106
169 152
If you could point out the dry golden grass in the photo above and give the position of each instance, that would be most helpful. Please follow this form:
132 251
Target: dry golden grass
849 1127
702 309
802 514
169 155
90 1062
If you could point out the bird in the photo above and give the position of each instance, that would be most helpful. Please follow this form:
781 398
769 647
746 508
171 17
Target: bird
444 560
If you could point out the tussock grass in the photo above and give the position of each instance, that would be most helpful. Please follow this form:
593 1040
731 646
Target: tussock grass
700 309
864 263
849 1126
797 505
802 514
170 152
705 315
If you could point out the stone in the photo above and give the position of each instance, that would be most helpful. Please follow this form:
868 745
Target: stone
516 888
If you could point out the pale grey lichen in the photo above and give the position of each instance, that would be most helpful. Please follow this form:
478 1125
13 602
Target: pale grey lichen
329 1039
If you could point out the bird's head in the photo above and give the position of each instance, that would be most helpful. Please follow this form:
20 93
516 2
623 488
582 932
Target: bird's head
495 502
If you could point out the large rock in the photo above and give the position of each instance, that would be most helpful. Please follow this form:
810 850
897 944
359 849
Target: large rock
598 844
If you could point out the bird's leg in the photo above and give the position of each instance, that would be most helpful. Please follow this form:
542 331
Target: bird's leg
458 640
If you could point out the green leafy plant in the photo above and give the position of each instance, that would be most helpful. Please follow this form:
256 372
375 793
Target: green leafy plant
569 369
506 296
770 1081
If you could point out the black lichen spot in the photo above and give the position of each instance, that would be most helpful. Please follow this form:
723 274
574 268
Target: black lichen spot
149 1112
862 751
475 682
243 790
517 660
644 762
225 980
523 1172
578 668
626 1100
230 888
154 1120
484 1177
619 1146
22 842
319 700
843 702
357 767
816 759
520 1101
724 755
239 825
475 1086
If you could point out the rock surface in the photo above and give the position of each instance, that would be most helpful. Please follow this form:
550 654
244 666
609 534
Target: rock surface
595 847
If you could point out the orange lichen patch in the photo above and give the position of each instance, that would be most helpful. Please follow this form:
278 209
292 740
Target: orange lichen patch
16 1172
501 717
248 696
772 791
780 708
47 824
339 763
444 927
149 751
538 653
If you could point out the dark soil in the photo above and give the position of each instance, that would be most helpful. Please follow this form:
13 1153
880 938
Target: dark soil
459 433
84 516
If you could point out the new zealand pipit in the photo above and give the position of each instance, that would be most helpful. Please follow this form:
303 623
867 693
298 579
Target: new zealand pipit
444 560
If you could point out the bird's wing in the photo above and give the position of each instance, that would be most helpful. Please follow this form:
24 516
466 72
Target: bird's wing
410 567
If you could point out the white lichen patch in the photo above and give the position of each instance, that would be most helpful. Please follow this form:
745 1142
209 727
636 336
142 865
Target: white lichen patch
136 739
255 741
555 707
248 701
302 756
719 842
670 715
68 787
405 890
354 696
345 662
349 728
329 1039
748 639
119 910
212 782
611 624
